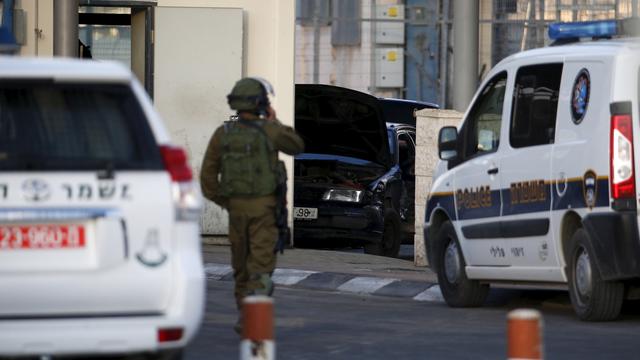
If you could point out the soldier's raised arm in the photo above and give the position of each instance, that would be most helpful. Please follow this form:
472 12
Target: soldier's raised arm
284 138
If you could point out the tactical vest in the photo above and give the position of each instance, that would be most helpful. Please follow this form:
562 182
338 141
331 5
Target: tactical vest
248 162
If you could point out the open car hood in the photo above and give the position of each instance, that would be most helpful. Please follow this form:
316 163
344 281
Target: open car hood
339 121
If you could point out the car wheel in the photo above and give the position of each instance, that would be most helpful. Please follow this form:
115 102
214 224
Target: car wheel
592 298
457 289
391 237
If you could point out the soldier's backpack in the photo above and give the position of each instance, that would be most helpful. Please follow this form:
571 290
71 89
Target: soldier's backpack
248 166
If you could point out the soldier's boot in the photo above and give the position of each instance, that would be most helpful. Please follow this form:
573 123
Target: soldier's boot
267 285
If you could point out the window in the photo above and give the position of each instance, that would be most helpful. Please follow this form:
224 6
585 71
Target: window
482 128
308 10
63 126
406 153
535 104
392 142
345 28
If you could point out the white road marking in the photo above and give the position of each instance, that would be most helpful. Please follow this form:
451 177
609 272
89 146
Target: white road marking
290 276
365 285
359 285
432 294
217 271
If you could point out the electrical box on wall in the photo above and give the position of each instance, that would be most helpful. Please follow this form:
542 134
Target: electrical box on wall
390 67
391 31
20 26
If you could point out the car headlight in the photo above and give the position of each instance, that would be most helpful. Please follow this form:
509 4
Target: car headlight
343 195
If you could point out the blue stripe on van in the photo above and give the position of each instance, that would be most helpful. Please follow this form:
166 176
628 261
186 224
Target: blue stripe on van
572 198
441 200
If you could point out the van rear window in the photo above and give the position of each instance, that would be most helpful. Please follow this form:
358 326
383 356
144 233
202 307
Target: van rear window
60 126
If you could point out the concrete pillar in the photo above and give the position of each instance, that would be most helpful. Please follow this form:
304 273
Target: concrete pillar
65 25
465 52
428 124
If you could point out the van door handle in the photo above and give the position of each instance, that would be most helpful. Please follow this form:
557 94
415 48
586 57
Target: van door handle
492 171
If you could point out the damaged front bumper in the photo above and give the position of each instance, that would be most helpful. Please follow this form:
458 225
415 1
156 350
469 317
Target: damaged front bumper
363 224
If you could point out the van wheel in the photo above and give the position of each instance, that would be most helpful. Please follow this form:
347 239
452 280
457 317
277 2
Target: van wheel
592 298
391 237
457 289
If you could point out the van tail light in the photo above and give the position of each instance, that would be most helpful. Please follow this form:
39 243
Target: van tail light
186 192
622 172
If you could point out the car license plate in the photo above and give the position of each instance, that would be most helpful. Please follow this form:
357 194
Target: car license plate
305 213
51 236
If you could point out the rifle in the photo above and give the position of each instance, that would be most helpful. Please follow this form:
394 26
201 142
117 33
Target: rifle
282 215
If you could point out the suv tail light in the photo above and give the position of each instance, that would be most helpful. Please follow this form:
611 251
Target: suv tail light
175 161
170 334
186 193
622 176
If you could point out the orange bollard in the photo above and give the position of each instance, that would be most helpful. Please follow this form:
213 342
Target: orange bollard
257 328
524 334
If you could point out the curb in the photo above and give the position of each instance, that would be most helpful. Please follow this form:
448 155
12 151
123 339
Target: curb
418 291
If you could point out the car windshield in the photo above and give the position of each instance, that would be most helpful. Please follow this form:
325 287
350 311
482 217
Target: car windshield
60 126
403 112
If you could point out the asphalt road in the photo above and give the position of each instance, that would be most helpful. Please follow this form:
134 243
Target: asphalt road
314 324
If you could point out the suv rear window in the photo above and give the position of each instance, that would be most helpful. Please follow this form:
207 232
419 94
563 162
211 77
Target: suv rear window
46 125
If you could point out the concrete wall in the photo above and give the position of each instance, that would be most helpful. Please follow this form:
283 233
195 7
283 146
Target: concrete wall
268 44
267 51
428 124
39 27
192 80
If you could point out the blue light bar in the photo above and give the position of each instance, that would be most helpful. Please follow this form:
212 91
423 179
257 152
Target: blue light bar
576 30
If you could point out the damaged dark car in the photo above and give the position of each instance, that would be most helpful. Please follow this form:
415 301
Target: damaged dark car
355 182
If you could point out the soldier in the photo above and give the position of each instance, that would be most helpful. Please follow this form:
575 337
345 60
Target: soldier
240 172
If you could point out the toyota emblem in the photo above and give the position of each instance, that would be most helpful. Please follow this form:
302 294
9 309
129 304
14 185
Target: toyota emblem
36 190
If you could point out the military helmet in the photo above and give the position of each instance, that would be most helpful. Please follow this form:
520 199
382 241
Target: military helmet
250 94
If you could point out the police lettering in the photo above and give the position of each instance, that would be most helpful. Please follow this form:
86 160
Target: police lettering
528 192
479 197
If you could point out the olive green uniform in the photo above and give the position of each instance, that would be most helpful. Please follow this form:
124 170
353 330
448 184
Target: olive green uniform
252 224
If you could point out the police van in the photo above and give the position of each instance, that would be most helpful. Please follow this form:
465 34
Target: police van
99 235
539 186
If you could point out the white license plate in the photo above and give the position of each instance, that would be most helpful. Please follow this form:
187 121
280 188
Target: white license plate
305 213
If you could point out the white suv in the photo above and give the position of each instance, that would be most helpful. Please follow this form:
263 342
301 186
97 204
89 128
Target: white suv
541 186
99 236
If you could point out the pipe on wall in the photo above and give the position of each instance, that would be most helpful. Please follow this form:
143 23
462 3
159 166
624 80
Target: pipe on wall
465 52
65 24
